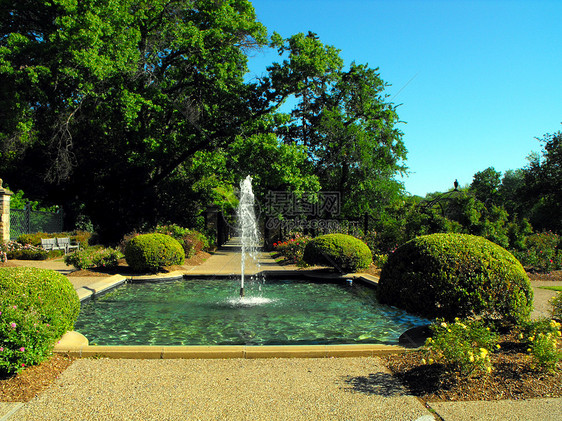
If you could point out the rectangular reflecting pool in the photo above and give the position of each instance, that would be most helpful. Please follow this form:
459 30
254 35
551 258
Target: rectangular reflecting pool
210 312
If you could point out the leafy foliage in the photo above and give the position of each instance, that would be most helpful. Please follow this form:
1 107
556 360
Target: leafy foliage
542 337
153 251
80 237
17 251
556 303
191 241
541 190
456 275
463 346
37 307
292 249
340 251
93 257
541 252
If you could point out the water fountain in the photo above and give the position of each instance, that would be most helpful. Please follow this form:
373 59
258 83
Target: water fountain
196 312
247 228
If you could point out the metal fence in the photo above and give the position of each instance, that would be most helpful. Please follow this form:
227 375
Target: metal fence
27 221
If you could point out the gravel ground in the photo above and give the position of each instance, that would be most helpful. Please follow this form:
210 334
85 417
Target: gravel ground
267 389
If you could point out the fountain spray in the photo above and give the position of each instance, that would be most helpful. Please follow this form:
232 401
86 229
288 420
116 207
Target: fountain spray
247 226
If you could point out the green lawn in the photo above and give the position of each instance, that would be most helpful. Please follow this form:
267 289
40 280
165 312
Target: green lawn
554 288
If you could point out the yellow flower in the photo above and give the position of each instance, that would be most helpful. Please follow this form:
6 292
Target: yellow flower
470 357
429 340
498 346
483 352
424 361
443 324
528 349
489 369
430 361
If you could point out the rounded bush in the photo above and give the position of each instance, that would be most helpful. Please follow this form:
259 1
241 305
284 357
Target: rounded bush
153 251
343 252
456 275
37 306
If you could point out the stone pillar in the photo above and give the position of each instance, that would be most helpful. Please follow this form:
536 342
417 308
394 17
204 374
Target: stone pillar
4 213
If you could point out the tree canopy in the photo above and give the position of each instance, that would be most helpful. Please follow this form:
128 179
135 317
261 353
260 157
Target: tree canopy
130 111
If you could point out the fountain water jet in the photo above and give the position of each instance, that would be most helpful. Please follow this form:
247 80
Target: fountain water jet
247 227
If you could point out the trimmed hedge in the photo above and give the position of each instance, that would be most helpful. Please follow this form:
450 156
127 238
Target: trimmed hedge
340 251
153 251
456 275
37 306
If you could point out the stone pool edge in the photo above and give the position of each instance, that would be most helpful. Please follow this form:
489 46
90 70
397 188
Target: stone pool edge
75 344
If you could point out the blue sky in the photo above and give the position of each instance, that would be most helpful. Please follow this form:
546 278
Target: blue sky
477 80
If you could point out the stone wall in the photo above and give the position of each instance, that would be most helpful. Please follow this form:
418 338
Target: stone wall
4 213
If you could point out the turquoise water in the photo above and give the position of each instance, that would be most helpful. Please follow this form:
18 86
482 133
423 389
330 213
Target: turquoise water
208 312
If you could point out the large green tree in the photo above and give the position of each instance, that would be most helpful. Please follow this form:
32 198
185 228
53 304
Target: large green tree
345 122
105 100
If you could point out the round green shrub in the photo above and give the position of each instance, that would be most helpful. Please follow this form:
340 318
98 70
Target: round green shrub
153 251
341 251
456 275
37 306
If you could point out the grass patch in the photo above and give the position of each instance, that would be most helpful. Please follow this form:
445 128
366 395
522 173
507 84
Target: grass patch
553 288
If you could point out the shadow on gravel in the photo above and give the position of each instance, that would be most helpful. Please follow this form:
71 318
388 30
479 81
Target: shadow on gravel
381 384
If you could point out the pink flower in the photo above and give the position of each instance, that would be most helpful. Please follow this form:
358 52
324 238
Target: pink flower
1 349
22 364
22 349
13 325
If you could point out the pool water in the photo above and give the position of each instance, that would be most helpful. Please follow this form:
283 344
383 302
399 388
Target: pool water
208 312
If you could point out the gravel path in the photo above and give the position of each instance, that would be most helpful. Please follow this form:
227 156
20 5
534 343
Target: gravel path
267 389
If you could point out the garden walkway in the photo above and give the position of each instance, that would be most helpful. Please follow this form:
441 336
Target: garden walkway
246 389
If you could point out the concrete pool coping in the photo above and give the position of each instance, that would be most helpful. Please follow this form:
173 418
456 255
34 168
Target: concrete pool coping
76 345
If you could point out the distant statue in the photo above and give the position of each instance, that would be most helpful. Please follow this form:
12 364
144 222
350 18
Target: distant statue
456 184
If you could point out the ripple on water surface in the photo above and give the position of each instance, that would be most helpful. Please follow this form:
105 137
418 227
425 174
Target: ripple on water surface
209 312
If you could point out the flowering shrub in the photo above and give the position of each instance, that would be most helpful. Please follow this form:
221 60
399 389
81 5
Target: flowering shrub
37 306
557 306
542 337
380 259
93 257
463 346
3 256
192 241
541 252
293 249
15 250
